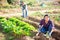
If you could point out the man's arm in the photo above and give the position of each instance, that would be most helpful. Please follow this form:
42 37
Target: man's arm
40 26
41 23
53 28
52 25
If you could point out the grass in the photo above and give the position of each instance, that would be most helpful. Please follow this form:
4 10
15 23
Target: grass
50 7
52 16
57 18
5 36
36 14
2 36
33 1
9 7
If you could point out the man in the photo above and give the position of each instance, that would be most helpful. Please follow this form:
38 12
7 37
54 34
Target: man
46 26
24 9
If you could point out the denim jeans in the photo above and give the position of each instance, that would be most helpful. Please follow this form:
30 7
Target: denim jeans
25 12
45 29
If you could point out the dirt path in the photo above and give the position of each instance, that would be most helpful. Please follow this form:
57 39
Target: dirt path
10 15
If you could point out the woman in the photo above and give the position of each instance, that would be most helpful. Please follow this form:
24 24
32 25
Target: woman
46 26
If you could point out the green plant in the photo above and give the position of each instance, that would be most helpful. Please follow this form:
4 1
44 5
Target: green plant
30 3
57 19
11 38
16 26
37 14
22 27
11 1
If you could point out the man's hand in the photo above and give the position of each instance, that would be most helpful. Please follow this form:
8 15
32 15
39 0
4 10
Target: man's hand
53 29
37 34
40 26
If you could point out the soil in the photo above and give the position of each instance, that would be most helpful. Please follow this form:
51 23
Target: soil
56 35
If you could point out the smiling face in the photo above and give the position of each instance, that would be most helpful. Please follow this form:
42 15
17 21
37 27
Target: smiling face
46 18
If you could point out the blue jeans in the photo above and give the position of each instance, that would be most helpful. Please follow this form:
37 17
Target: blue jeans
45 29
25 13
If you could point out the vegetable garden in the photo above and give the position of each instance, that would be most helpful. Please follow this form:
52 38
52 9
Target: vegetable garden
15 26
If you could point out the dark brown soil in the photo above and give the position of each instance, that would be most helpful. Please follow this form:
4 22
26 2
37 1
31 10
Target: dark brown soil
40 37
56 35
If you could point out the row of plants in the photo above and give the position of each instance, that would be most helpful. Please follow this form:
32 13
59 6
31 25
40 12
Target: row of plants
57 18
29 2
15 26
7 6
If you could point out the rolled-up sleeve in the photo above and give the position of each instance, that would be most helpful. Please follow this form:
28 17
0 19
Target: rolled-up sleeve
52 24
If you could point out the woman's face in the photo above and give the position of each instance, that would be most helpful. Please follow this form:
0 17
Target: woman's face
46 18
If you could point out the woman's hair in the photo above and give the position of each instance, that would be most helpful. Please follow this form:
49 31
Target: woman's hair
45 15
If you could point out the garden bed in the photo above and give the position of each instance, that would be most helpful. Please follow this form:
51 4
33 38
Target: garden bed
16 27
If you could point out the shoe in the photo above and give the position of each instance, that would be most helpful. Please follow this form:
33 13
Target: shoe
48 35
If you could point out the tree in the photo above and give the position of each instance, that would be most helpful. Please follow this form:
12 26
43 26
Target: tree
13 1
5 2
